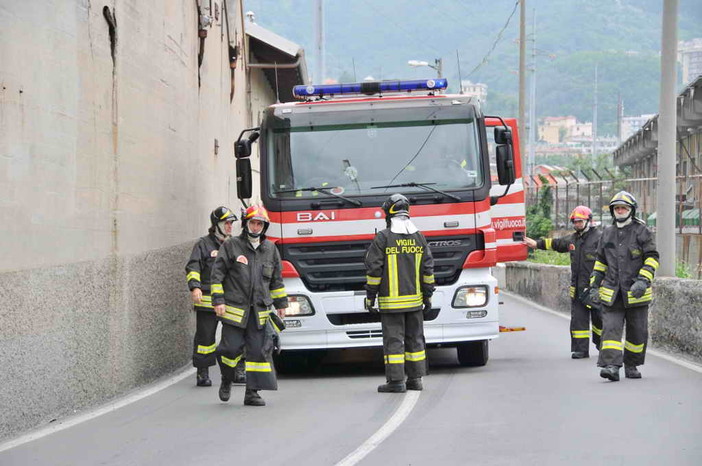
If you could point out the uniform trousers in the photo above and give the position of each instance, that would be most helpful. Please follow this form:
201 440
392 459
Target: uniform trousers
614 319
260 373
403 344
204 343
580 316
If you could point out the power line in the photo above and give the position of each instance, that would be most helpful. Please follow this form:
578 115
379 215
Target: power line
497 39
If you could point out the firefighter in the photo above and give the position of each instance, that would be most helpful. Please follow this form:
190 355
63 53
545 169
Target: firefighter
582 246
627 260
198 271
400 274
246 282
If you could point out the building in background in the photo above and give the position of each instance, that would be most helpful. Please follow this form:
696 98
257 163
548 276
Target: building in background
632 124
477 90
690 57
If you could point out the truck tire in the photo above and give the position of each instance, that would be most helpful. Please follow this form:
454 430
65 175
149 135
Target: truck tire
473 353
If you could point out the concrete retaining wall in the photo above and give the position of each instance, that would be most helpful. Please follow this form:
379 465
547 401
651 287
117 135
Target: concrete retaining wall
77 335
675 318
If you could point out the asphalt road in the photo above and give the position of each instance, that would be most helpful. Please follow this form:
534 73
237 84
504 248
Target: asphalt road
531 405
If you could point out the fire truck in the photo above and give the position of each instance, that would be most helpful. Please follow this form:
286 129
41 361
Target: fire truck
329 161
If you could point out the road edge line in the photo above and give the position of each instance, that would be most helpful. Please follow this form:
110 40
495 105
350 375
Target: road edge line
655 352
71 421
398 417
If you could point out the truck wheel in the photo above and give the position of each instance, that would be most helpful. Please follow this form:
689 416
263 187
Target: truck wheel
473 353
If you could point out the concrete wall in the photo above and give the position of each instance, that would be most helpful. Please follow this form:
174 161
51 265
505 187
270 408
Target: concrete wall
108 172
675 317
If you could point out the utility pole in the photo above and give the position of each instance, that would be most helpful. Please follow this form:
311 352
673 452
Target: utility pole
667 125
532 99
620 118
594 124
439 65
319 40
522 75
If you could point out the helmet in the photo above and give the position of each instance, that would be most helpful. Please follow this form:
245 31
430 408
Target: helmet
581 213
397 204
255 212
221 214
623 198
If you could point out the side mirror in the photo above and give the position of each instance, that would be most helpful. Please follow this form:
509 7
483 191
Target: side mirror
243 178
242 147
505 163
503 135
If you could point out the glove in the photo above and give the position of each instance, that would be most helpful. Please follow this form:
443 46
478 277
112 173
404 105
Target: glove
638 288
369 304
427 304
594 295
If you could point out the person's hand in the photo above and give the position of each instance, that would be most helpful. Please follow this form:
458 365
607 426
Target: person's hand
530 242
220 310
427 304
369 304
281 313
196 294
638 288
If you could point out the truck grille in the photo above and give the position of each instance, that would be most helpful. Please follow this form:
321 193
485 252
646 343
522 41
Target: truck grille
339 266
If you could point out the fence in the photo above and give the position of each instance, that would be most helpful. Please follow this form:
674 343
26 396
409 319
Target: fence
595 189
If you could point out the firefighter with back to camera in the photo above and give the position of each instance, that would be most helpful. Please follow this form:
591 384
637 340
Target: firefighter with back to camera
400 275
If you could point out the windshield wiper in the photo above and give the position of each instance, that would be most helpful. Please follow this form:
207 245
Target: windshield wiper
326 191
419 185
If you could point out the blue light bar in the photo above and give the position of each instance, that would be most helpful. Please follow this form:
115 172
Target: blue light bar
370 87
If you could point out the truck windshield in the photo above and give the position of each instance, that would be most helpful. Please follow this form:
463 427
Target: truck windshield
350 154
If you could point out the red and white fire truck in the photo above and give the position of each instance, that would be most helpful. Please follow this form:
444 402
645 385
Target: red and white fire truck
330 160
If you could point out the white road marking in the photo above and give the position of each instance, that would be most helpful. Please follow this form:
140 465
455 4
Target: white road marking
680 362
384 432
120 403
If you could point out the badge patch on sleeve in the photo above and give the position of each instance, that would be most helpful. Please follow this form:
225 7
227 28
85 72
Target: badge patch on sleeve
243 260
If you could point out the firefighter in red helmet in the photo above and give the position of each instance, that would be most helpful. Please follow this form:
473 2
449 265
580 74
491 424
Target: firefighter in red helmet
246 284
400 275
582 246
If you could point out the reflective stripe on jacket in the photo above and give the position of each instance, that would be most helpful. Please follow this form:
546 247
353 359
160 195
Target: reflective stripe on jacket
244 278
583 253
199 267
399 270
624 256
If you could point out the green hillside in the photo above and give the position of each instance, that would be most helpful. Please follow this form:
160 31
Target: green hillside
621 36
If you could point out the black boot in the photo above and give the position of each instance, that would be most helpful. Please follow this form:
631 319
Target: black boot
203 377
414 383
239 373
631 372
252 398
611 373
225 390
392 387
580 355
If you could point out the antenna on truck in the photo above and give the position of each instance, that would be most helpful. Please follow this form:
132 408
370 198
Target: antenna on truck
460 79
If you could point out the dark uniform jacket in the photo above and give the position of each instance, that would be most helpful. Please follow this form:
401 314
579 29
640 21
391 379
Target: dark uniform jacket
400 271
625 255
199 268
244 278
583 253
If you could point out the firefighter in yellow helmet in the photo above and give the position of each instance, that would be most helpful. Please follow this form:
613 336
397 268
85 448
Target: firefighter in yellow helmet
582 246
400 274
627 260
246 283
198 271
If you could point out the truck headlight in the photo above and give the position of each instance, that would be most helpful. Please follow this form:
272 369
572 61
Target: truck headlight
470 296
299 306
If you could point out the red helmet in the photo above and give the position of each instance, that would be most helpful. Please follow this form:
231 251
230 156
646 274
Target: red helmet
255 212
581 213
